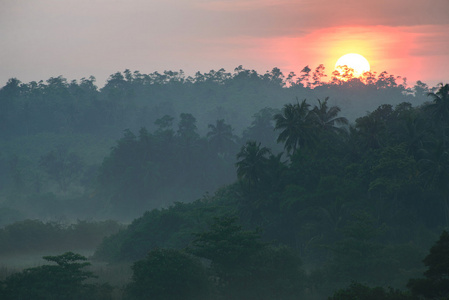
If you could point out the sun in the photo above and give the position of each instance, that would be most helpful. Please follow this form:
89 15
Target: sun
354 61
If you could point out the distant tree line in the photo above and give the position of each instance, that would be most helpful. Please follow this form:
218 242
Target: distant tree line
133 100
55 133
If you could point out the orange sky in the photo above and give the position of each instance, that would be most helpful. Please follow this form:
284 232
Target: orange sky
79 38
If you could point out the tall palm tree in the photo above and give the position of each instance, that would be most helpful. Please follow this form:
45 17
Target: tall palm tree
295 123
327 117
252 161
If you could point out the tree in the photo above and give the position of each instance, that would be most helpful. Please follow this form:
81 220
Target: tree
358 254
65 280
187 128
168 274
342 74
295 123
318 75
304 79
327 117
164 131
394 171
247 268
9 94
262 128
228 247
221 137
435 285
421 89
62 167
370 131
440 107
130 174
164 124
252 162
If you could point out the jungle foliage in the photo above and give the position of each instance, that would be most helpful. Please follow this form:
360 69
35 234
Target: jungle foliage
309 197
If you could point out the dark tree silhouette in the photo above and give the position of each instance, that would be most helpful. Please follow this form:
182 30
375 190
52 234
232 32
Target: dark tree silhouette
296 127
252 161
327 117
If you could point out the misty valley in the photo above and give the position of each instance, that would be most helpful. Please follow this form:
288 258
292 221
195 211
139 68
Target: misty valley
224 185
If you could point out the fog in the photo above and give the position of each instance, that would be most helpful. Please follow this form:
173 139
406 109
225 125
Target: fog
301 169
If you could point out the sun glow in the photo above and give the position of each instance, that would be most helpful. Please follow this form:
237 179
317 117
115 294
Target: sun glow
353 61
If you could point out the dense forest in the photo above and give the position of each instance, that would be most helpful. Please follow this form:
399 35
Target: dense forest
226 186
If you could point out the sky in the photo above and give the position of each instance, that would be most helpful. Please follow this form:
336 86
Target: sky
40 39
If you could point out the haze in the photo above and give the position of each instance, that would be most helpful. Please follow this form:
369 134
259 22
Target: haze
75 39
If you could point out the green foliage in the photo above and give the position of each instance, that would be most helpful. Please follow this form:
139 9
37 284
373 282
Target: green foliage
245 267
395 170
65 280
160 228
349 202
142 171
359 255
228 247
167 274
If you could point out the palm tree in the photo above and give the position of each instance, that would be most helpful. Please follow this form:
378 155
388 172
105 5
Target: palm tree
220 136
439 108
326 118
440 105
252 161
295 123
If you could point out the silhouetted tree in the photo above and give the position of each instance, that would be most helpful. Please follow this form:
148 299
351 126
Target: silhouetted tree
252 162
327 117
296 127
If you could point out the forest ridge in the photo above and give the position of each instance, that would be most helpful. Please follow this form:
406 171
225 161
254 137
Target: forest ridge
338 197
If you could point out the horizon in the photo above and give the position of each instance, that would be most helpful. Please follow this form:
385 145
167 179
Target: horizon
103 80
79 38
